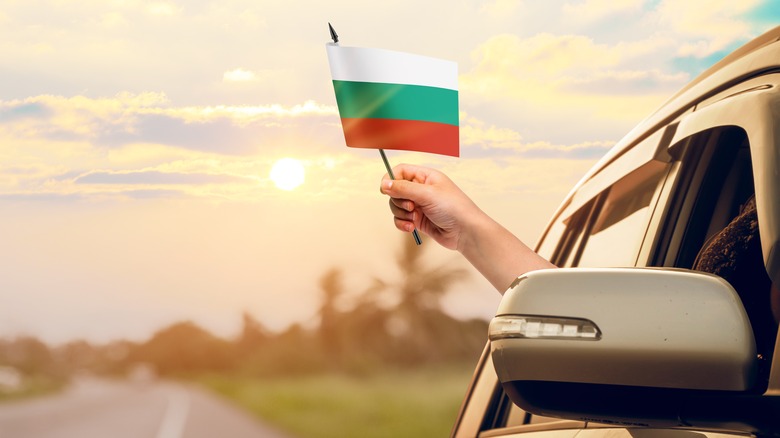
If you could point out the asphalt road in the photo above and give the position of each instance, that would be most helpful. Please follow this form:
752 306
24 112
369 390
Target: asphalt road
95 408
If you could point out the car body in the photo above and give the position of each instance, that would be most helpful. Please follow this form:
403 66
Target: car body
681 357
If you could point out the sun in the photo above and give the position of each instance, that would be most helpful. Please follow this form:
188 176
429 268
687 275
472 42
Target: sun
288 173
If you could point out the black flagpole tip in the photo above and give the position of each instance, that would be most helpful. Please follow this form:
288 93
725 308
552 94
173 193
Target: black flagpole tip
333 34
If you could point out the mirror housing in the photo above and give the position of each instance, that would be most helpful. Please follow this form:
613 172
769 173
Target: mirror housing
631 346
642 327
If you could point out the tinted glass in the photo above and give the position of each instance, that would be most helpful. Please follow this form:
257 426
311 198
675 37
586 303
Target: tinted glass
616 233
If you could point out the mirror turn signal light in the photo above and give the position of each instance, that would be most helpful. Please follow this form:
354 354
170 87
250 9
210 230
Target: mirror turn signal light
542 327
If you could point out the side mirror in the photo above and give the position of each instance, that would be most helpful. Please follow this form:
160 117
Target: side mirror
621 345
636 327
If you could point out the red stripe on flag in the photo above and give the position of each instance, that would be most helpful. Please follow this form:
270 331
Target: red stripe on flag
405 135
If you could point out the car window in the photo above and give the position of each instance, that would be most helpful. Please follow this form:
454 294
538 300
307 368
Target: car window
547 246
715 179
603 221
566 249
608 230
714 185
615 233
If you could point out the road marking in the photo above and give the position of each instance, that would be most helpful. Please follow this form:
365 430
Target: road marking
172 425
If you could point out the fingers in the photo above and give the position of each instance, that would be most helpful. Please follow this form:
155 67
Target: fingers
410 172
403 225
402 213
402 204
410 191
402 190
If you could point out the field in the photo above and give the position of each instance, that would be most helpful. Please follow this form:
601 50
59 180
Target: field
411 403
32 387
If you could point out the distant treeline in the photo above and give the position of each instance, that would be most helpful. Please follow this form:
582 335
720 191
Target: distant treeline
387 325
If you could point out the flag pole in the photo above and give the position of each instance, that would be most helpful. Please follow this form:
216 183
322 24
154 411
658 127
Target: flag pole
415 234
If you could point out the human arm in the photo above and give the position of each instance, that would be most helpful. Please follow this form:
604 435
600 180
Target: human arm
428 200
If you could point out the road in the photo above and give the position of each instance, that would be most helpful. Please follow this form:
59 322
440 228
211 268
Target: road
97 408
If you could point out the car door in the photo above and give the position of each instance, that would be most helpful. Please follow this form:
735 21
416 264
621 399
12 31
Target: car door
603 224
655 205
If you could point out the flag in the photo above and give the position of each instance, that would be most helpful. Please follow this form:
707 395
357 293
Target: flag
396 100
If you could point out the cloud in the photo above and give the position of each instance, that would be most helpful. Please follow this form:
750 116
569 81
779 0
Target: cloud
517 174
243 114
628 82
543 54
570 80
711 25
108 147
68 198
566 92
150 118
163 179
239 75
22 111
162 9
548 60
98 47
596 10
480 139
154 177
46 197
501 9
590 150
81 115
113 20
474 132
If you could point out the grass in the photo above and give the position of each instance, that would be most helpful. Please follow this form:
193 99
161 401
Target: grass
414 403
32 387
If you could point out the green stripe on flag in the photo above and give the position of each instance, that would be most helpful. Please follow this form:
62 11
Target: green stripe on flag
373 100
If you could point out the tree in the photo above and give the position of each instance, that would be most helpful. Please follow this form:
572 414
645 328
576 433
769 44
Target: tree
184 347
422 326
29 355
421 287
253 335
332 289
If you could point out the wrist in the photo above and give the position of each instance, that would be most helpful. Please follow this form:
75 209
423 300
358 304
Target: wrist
497 253
477 229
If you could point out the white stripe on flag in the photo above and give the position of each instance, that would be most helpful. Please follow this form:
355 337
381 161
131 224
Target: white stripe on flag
361 64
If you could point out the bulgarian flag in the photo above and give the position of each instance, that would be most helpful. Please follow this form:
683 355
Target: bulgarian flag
395 100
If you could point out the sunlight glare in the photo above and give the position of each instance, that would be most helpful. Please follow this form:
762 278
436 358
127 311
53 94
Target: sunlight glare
287 173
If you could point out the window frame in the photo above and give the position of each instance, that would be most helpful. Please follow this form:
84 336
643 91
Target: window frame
584 203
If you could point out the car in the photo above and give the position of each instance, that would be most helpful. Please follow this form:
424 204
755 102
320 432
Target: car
627 339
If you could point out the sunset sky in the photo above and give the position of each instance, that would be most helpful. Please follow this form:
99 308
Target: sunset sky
137 139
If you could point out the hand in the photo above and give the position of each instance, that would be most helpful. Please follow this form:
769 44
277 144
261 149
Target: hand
428 200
